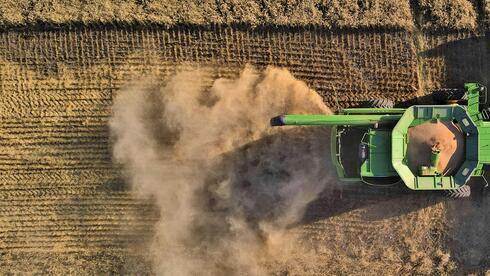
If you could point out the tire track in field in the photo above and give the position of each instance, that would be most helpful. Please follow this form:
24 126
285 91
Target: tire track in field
59 190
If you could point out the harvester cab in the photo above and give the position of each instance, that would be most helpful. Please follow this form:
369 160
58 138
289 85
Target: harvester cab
427 147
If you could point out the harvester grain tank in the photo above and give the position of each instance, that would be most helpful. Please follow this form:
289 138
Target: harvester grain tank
375 145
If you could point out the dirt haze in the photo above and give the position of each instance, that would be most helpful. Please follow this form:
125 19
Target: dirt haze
227 184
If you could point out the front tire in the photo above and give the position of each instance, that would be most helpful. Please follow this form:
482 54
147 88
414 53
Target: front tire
380 103
447 96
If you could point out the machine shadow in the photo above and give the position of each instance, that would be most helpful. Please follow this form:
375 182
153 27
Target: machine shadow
376 203
267 181
466 60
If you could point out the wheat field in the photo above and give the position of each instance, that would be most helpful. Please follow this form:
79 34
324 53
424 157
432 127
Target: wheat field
66 207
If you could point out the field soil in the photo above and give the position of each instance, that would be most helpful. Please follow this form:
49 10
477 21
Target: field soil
66 207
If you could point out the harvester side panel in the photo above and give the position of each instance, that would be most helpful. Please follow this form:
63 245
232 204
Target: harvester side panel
484 142
419 114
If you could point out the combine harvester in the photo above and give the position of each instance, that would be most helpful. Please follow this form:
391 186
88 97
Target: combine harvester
428 147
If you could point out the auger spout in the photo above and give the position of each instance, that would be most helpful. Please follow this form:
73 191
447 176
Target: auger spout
369 119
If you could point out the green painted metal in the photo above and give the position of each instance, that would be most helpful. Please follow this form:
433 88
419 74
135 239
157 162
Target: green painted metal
428 171
378 163
335 152
373 111
484 141
387 139
477 93
435 158
423 113
339 119
473 92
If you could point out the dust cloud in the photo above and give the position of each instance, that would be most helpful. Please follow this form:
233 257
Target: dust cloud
228 186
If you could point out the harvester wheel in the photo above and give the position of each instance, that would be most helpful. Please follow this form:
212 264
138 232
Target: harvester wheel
381 103
485 113
461 192
449 95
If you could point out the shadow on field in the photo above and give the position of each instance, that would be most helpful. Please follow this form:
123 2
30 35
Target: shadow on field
465 60
264 174
273 178
378 203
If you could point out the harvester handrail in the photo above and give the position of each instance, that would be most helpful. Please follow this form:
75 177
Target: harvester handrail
373 110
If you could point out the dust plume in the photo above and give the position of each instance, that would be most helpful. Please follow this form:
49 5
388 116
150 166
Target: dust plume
228 186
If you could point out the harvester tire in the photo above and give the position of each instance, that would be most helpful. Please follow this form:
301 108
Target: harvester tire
485 113
381 103
461 192
449 95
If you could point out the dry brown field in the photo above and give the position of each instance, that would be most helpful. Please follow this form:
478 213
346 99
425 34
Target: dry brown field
65 207
396 14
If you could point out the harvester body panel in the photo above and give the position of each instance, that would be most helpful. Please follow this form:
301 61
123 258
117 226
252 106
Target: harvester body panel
419 114
377 160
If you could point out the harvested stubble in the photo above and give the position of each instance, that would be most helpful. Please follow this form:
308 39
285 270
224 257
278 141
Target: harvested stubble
331 13
448 14
351 14
486 8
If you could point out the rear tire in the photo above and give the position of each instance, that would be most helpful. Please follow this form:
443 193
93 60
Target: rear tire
461 192
380 103
445 96
485 113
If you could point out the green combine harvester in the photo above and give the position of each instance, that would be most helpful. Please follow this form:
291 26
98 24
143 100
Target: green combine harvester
372 144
